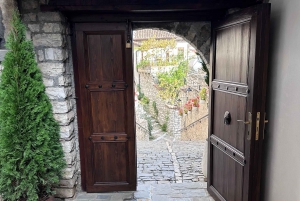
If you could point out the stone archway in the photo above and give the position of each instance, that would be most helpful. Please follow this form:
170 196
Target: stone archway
197 34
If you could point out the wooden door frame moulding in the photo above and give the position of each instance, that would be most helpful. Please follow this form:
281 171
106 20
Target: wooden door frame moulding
78 16
158 5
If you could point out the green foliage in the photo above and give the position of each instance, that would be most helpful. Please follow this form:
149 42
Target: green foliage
141 95
164 127
150 126
203 94
145 100
155 109
170 82
143 64
31 154
154 51
204 69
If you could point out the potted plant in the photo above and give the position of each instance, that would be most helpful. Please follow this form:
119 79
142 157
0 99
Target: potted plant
31 154
188 107
180 112
185 110
196 104
203 95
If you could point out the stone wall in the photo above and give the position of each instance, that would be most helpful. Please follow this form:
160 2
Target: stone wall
49 32
195 129
150 91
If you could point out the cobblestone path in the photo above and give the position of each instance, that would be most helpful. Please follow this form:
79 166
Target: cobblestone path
169 162
167 171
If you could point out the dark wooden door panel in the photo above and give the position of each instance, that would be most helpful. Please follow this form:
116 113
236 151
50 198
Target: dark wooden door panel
105 85
235 133
105 52
232 52
112 155
239 59
229 175
112 120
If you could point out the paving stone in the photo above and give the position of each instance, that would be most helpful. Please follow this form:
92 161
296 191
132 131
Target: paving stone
156 174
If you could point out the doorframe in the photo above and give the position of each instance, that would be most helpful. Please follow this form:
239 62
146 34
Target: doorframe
144 17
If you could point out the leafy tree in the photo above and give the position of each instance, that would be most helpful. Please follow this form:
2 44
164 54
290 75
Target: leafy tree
204 69
170 82
30 151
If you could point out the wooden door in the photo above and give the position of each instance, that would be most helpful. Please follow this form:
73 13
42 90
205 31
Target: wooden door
104 73
239 59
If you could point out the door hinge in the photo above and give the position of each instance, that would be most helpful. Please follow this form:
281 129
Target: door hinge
257 126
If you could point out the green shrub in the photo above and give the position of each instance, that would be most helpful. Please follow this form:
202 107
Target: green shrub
164 127
150 126
31 154
143 64
203 94
141 95
145 100
155 109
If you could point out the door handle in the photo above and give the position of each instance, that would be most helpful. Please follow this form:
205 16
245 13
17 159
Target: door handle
249 122
245 122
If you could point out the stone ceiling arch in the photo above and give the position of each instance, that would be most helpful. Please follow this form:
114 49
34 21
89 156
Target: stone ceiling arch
197 34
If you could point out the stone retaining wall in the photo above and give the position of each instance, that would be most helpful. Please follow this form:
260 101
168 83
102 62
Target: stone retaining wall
198 131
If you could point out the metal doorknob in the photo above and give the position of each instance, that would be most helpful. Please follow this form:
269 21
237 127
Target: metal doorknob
245 122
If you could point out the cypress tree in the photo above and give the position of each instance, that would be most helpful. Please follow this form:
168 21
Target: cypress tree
31 156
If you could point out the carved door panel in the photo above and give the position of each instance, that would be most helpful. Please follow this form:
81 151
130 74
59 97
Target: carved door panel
239 59
106 128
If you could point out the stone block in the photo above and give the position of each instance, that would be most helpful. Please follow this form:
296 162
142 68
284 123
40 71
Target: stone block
34 27
66 131
68 145
30 17
43 2
48 82
52 69
65 192
60 107
69 172
40 55
58 93
55 54
68 183
52 27
29 5
64 119
65 80
48 40
50 17
70 157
